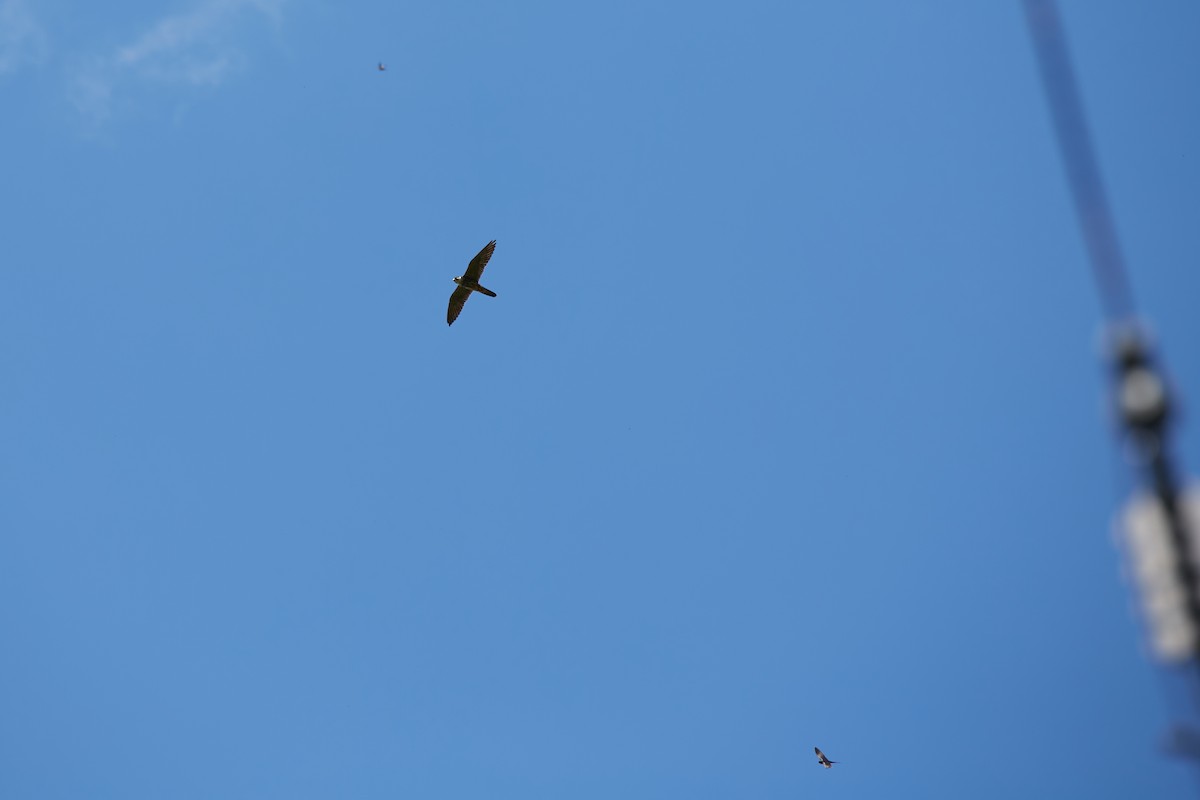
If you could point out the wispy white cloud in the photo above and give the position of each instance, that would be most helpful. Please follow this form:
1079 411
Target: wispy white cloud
187 46
198 47
22 40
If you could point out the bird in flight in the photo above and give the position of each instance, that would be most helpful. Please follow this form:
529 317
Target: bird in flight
822 760
382 66
469 282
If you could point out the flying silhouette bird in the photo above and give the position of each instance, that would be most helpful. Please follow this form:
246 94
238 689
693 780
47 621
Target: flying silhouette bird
382 66
822 760
469 282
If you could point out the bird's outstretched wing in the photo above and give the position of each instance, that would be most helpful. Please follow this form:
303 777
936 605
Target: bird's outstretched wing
475 268
457 301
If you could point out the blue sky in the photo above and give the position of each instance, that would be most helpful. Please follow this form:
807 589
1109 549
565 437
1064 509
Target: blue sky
787 427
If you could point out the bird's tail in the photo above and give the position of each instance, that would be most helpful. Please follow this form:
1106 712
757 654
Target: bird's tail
488 292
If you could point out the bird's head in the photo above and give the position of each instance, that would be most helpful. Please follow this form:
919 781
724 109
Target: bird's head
458 280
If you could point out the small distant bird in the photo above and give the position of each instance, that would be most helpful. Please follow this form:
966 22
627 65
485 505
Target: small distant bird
382 66
469 282
822 760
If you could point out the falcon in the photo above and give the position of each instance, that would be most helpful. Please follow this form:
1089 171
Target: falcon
469 282
822 760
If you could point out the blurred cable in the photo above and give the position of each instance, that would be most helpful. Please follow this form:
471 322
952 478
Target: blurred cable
1075 144
1160 527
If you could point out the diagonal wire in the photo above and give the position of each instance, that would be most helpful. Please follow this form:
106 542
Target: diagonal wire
1087 187
1148 424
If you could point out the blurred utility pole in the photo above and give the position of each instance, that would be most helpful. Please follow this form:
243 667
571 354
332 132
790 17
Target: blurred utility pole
1162 523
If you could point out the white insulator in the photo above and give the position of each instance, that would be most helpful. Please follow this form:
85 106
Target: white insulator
1155 568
